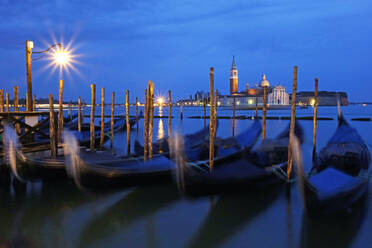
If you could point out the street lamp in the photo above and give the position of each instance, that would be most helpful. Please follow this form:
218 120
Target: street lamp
60 57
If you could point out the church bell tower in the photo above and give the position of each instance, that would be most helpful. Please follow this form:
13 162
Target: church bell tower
233 78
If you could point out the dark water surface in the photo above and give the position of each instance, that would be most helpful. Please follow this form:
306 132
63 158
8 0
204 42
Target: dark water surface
57 214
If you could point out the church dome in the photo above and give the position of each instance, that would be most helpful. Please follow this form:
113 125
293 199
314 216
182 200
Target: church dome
264 82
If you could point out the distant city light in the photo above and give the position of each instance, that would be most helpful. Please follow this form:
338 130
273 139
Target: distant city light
250 101
312 102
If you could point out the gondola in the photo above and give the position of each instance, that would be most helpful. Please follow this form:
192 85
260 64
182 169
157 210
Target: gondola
161 146
340 172
119 125
102 169
39 163
239 170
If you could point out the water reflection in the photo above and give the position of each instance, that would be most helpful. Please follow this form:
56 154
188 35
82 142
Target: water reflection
230 214
142 202
337 230
160 124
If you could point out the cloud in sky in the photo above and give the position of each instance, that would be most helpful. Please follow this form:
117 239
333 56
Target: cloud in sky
125 43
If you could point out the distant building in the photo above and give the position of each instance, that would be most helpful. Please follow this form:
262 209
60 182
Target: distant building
233 78
251 96
278 96
325 98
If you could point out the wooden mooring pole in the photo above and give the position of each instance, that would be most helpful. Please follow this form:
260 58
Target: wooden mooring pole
137 113
127 120
256 114
102 118
17 126
60 113
315 113
151 117
292 126
34 103
215 115
92 111
112 119
146 127
211 122
83 112
264 113
169 113
79 114
70 110
181 111
52 129
2 101
15 98
205 111
7 102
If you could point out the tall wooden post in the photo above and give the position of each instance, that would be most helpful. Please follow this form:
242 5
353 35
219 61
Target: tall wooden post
7 102
264 113
18 128
211 115
233 122
127 120
2 101
83 112
256 114
315 112
70 110
169 113
15 98
79 114
181 111
205 111
92 112
151 117
34 103
102 118
28 72
112 119
146 127
60 113
215 114
293 118
52 129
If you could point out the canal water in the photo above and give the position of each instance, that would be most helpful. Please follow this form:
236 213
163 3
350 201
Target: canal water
58 214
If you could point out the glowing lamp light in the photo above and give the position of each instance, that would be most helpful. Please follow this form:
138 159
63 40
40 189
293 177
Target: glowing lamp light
61 57
312 102
250 101
160 101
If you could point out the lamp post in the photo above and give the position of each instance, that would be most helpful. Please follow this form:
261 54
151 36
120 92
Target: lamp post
61 59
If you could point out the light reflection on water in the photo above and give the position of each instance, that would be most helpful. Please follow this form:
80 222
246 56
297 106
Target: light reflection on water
57 214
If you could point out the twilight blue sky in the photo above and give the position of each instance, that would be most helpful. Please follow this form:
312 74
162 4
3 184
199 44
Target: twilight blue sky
122 44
